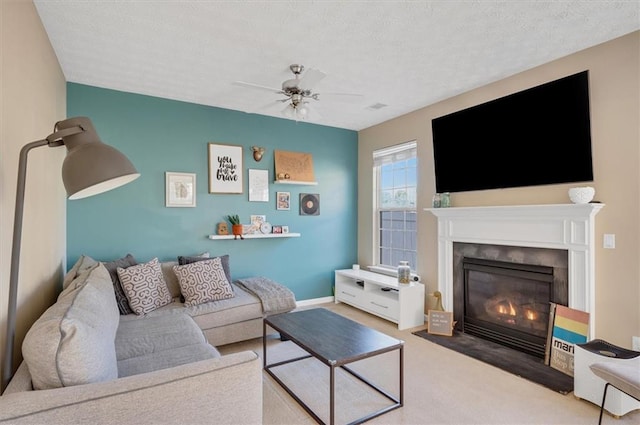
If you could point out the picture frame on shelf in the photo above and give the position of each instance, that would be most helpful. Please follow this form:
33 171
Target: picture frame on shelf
285 229
258 219
276 229
283 201
180 190
225 168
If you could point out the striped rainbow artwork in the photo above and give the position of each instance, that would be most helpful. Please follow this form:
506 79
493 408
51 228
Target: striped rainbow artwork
571 325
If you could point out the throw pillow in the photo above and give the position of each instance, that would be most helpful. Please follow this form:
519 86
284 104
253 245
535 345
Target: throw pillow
223 258
203 281
81 267
144 286
72 343
112 267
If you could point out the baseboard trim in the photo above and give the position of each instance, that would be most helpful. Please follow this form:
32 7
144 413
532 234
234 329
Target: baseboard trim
314 301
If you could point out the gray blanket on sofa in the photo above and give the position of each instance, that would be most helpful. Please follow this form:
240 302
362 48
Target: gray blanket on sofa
275 298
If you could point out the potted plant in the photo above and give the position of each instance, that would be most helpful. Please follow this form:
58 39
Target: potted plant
236 227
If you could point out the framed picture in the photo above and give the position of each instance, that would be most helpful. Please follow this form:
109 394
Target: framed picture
258 219
283 201
276 229
225 168
285 229
180 189
258 186
309 204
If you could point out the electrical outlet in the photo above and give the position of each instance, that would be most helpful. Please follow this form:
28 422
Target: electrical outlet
635 343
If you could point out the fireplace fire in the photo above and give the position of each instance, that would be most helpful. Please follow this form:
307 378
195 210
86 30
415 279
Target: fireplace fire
508 303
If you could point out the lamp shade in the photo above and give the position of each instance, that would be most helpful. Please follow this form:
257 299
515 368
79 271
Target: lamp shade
91 167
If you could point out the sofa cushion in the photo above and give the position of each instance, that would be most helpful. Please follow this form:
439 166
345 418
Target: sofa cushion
166 359
244 306
112 267
145 287
203 281
170 278
141 335
72 343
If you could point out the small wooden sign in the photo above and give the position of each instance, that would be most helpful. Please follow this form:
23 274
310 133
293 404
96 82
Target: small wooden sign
440 322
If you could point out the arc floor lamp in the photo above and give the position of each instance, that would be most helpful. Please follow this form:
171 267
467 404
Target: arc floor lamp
90 167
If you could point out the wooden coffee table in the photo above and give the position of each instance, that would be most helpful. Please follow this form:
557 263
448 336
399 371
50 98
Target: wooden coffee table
335 341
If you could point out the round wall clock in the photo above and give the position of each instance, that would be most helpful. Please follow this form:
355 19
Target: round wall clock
265 227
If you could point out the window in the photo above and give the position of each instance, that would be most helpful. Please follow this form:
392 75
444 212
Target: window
395 181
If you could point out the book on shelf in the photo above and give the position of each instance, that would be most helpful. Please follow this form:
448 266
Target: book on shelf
567 327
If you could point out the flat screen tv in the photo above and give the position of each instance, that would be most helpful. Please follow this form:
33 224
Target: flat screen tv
538 136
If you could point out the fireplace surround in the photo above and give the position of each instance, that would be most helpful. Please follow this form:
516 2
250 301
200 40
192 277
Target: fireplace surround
567 227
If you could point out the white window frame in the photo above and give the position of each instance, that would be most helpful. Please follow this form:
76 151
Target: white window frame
381 157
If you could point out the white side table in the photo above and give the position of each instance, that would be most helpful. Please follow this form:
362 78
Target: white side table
588 386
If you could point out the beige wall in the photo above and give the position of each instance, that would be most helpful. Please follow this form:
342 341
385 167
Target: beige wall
614 73
33 99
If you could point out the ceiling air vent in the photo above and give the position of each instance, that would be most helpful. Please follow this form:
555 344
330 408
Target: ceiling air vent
376 106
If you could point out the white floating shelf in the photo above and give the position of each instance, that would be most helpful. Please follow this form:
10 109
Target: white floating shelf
258 236
296 182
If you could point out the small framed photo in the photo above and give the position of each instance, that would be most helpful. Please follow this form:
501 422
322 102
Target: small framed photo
180 189
276 229
258 219
285 229
283 201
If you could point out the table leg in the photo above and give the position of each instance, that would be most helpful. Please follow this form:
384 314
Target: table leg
264 344
401 375
332 401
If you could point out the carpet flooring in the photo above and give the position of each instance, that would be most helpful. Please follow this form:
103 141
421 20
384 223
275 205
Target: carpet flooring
510 360
441 387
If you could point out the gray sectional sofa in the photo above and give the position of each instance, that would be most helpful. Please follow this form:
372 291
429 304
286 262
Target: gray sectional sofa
84 362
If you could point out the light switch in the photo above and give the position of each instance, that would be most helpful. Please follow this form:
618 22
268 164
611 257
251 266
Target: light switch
609 241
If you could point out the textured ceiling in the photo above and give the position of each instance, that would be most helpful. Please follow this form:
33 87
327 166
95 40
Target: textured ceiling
405 55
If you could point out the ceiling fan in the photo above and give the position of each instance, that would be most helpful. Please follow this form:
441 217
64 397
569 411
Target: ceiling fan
298 91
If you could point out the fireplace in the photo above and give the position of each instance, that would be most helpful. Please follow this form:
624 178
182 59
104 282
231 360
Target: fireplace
507 303
565 227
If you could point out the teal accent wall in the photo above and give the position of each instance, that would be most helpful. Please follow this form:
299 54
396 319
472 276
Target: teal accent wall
160 135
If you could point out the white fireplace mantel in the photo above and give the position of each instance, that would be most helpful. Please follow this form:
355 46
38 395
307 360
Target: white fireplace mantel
558 226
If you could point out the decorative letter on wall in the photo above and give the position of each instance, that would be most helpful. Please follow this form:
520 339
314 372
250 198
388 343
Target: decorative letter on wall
225 168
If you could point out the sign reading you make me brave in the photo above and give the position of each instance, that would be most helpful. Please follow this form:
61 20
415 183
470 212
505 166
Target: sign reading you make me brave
225 168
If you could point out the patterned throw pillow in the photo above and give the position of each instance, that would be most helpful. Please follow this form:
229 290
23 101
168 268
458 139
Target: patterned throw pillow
203 281
144 286
112 267
182 260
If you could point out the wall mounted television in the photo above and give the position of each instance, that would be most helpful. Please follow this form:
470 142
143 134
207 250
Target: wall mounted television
537 136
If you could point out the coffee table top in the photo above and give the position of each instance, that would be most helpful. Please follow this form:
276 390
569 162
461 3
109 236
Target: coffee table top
332 338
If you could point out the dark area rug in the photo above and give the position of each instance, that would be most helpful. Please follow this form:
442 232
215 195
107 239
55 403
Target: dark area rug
508 359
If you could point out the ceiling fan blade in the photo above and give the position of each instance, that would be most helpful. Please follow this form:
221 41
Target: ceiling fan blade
310 78
256 86
264 107
341 97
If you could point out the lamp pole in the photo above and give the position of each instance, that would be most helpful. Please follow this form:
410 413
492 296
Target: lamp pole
7 369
